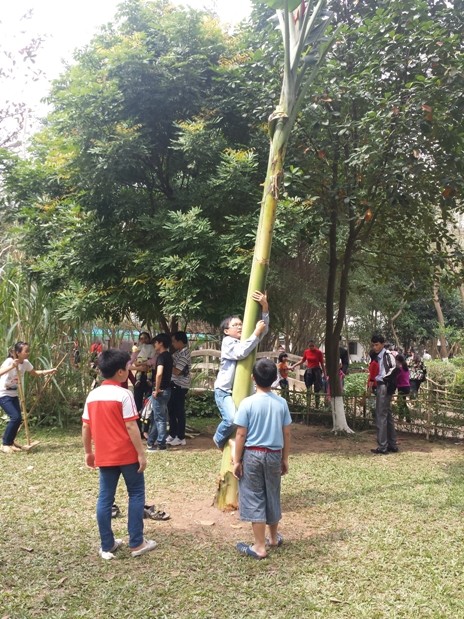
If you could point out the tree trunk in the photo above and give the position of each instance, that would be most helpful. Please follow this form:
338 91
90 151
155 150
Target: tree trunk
441 320
334 327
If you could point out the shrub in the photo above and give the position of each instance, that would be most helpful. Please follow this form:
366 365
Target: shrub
441 372
358 366
201 404
355 384
458 385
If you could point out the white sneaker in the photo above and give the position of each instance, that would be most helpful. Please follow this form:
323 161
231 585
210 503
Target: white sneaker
150 545
170 439
177 441
108 554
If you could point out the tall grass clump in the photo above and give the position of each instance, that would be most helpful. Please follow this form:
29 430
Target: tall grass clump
30 313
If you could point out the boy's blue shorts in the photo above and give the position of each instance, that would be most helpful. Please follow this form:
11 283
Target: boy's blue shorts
259 487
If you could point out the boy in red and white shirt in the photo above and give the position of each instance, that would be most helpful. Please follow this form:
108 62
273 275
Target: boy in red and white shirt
110 423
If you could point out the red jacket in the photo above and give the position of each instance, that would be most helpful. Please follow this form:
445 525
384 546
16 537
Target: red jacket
373 372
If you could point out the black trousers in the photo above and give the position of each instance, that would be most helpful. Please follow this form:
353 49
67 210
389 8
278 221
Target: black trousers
176 410
313 376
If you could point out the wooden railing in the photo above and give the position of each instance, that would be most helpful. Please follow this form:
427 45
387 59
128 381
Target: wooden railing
205 365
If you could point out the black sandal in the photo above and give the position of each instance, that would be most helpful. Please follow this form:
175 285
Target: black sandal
115 511
149 511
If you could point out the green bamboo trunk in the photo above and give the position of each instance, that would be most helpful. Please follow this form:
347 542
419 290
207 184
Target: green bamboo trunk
227 494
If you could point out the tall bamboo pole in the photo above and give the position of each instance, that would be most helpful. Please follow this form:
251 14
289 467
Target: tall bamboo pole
302 41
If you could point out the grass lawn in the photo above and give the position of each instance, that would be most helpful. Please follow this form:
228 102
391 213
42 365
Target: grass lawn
365 536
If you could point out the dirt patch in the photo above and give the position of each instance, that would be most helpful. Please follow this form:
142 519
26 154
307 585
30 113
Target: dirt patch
195 515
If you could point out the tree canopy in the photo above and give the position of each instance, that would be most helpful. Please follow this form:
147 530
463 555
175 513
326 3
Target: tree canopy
140 194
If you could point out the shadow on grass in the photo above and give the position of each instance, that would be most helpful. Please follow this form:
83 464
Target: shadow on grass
309 497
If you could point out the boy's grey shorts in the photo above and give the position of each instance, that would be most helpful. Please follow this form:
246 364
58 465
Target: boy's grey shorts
259 487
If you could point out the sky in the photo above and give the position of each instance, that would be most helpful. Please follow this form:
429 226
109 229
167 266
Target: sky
67 26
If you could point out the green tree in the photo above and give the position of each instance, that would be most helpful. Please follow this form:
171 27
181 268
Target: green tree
380 144
124 203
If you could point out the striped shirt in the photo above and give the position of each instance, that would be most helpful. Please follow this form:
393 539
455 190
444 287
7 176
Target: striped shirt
183 362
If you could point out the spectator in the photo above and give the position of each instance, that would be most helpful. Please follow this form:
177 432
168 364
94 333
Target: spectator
315 368
96 348
344 359
373 372
282 372
386 434
112 443
161 393
142 360
417 374
180 384
404 387
261 458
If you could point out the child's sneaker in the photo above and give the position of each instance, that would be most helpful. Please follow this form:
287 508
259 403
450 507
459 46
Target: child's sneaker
176 442
108 554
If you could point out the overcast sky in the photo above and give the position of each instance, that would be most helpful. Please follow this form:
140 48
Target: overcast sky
67 26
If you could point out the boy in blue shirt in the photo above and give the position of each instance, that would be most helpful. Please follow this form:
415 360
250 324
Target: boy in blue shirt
262 445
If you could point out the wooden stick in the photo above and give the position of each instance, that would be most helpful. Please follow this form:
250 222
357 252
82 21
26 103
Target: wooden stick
22 402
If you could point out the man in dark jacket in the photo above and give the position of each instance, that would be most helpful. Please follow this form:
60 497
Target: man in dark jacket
386 434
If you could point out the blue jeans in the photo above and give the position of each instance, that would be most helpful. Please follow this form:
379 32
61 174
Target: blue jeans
12 408
227 410
135 484
159 419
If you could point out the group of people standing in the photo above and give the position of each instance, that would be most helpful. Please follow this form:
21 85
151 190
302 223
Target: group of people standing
113 433
164 379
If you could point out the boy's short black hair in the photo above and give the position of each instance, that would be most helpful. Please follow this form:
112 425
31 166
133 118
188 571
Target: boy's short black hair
180 336
162 338
112 360
264 372
282 356
377 339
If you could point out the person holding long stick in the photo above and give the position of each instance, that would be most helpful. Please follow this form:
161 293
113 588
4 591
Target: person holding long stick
12 371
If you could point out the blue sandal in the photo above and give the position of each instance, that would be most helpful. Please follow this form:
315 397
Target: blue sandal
247 551
280 541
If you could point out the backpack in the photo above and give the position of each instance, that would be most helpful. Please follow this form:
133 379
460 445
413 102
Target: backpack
391 372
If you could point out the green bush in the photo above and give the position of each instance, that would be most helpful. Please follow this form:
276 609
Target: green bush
355 384
458 362
201 404
441 372
357 366
458 385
